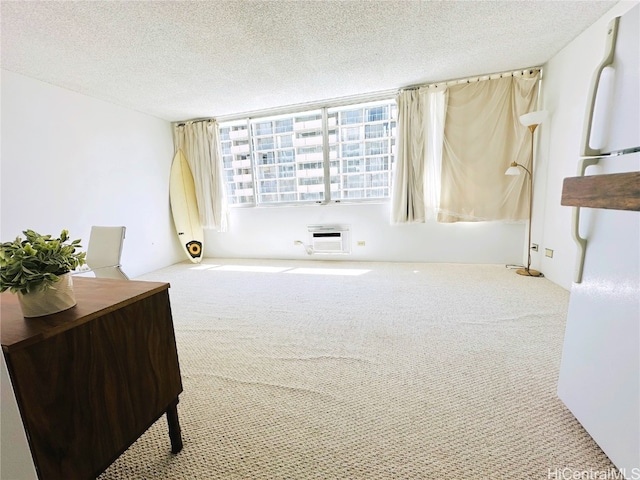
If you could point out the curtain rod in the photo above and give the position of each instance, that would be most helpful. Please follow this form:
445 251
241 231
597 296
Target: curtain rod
182 123
367 97
490 76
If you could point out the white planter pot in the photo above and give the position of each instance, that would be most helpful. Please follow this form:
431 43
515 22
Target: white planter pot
54 299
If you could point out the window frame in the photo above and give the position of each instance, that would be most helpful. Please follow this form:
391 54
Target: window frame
258 121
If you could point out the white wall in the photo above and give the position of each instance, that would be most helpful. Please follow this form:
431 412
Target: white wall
269 232
70 161
16 462
567 77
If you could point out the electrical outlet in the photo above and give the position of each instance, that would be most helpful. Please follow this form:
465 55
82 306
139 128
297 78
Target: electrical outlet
361 243
534 247
548 252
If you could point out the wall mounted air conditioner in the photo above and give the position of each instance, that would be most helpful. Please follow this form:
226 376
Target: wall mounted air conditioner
329 239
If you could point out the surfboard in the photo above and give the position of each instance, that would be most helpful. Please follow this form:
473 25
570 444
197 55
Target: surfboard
184 207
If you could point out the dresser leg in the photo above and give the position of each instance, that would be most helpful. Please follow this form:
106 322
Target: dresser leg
174 427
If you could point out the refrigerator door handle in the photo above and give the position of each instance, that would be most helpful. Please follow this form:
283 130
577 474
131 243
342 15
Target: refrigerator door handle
610 49
575 223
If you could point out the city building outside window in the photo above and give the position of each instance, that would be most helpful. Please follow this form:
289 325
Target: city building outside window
282 159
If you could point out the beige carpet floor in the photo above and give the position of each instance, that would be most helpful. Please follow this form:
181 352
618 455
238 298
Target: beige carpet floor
336 370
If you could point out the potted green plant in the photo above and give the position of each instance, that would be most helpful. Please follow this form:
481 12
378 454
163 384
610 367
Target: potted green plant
37 269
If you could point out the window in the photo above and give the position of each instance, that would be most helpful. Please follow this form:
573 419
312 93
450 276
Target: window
281 159
234 144
364 165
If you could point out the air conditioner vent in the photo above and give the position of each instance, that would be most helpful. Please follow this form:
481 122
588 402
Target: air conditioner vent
329 239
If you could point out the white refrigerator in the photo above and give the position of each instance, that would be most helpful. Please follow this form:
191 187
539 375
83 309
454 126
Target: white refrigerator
600 370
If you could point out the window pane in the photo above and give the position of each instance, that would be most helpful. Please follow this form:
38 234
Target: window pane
376 148
283 126
284 141
378 164
311 196
291 146
234 142
366 144
350 133
268 198
264 143
266 172
354 181
287 197
288 185
351 116
263 128
285 154
351 149
268 186
376 130
286 171
351 166
378 180
375 114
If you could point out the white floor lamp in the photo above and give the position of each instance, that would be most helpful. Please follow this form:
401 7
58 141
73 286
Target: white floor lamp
530 120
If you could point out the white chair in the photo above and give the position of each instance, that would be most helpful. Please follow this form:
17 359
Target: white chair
104 252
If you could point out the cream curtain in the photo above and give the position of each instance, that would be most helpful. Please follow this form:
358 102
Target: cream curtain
200 143
436 111
482 136
416 183
407 201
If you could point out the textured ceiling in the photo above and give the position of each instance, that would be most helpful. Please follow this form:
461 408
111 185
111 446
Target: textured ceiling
193 59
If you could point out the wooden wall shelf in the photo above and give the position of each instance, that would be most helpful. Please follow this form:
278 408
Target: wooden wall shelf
617 191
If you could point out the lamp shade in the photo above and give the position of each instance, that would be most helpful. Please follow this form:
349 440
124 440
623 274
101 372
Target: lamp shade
512 170
533 118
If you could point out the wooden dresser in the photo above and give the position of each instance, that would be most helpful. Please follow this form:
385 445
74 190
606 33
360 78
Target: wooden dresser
90 380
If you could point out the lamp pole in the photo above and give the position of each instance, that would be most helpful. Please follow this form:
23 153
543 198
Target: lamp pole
530 120
527 271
